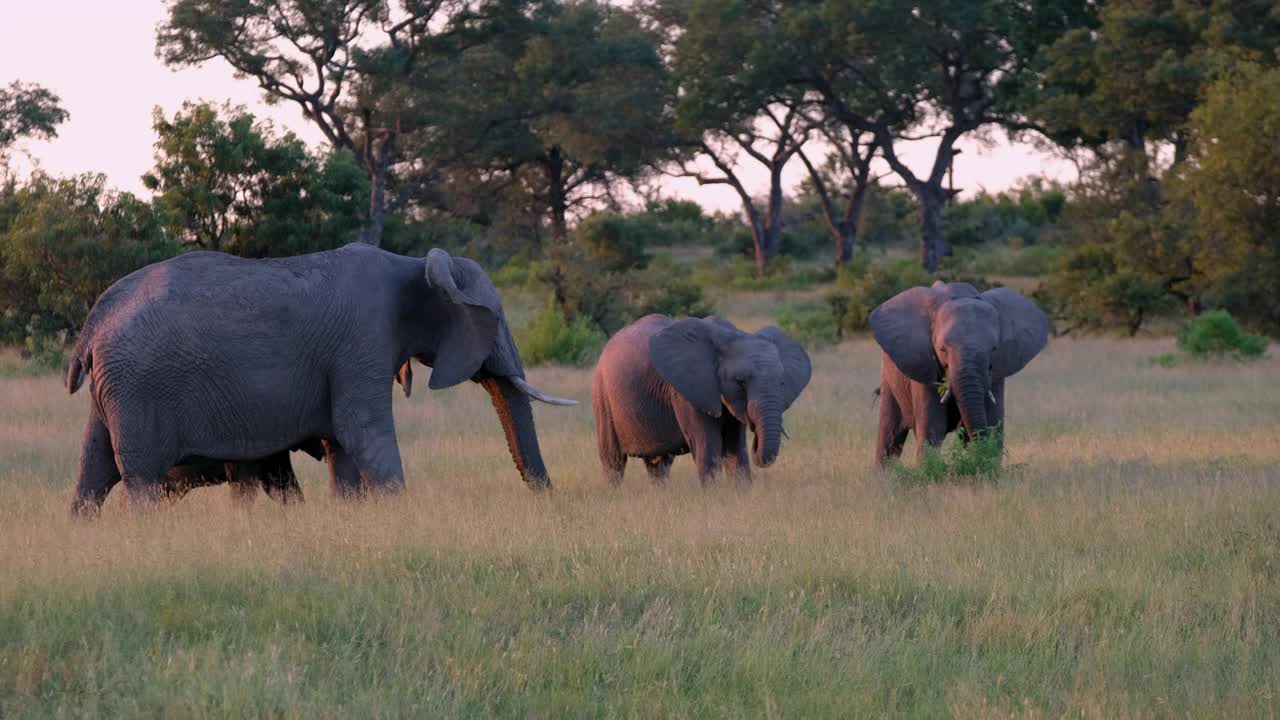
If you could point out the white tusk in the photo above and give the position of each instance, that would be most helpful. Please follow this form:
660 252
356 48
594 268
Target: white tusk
945 396
537 394
992 395
784 432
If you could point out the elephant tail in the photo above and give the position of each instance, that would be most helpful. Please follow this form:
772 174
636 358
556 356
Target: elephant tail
81 361
875 395
75 373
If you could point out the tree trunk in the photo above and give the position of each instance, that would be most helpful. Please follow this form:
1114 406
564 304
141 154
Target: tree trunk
758 239
847 230
933 246
372 233
771 245
557 202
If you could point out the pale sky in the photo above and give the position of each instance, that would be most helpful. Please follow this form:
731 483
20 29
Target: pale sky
99 57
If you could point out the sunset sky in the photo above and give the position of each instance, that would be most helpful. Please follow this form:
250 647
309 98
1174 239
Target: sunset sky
100 58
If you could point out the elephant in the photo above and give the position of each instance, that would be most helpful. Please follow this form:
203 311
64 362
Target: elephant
211 356
952 334
665 387
274 473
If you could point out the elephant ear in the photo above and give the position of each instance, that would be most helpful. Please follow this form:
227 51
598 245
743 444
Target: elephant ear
685 355
1024 331
903 327
796 368
471 315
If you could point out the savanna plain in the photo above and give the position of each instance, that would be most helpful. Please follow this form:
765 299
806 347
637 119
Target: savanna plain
1126 563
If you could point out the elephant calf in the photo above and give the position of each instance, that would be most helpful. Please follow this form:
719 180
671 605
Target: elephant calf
949 333
666 387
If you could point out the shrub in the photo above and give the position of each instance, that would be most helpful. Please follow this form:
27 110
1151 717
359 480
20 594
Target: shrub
810 324
980 459
549 339
864 286
63 242
1092 289
1216 333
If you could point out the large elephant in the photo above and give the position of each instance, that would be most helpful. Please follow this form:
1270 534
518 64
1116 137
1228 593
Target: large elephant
667 387
210 356
952 334
274 474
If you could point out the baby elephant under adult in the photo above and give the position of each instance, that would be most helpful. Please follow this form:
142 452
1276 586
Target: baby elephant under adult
667 387
212 357
952 334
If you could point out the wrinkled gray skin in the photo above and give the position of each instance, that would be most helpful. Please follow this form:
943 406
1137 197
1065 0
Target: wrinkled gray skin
212 358
975 340
274 474
665 387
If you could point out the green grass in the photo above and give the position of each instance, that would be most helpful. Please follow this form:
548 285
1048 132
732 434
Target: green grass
1132 569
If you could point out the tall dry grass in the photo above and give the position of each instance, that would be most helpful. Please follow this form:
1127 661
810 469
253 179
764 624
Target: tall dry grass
1126 564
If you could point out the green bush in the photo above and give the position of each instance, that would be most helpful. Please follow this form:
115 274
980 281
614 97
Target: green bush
810 324
1091 288
861 286
782 273
980 459
63 241
1216 333
548 339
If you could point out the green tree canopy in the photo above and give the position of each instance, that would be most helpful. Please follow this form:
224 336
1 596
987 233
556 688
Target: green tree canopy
225 181
62 242
940 69
342 62
1233 183
28 110
560 103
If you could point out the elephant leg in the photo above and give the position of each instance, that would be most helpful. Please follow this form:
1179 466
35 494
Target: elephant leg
370 437
891 433
243 479
145 486
702 435
181 479
612 459
930 418
734 460
344 477
659 468
278 480
98 470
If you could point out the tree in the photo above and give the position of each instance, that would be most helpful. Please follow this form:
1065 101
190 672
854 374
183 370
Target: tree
1130 72
963 68
323 56
28 110
848 167
62 243
557 106
226 182
1233 183
734 103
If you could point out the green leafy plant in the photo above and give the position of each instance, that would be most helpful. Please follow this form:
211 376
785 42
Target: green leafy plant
549 339
977 460
810 324
1217 334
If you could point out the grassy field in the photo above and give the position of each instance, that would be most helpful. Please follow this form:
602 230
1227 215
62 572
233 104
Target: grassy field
1127 564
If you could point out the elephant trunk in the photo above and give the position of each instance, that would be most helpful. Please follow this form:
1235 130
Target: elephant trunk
766 420
514 411
971 390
